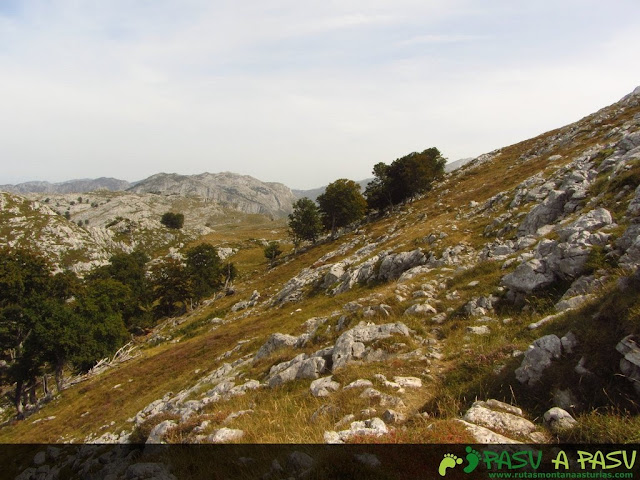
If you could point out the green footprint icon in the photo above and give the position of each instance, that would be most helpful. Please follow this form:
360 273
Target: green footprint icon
473 457
449 461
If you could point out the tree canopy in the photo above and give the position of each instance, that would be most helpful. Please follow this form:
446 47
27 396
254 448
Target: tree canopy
305 223
205 270
341 204
172 220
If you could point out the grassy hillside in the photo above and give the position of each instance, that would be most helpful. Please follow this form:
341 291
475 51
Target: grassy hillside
452 224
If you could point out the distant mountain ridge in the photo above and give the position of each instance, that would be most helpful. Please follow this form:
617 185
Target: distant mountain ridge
238 192
70 186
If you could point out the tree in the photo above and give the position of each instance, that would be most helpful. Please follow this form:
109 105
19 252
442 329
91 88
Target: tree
172 287
271 252
101 327
129 270
341 204
404 179
305 223
172 220
205 270
378 191
24 279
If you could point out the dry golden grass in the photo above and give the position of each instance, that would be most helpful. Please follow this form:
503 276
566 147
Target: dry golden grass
283 414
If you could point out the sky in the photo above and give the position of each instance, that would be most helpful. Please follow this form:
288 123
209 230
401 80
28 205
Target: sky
298 92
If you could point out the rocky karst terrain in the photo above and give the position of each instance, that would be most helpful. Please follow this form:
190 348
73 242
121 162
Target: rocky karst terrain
501 307
80 233
238 192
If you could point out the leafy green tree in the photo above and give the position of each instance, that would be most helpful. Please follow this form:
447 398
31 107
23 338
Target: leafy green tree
341 204
205 270
101 327
172 220
378 191
129 270
305 223
271 252
172 287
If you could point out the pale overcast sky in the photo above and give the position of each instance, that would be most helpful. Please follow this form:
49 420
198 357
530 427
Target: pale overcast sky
301 92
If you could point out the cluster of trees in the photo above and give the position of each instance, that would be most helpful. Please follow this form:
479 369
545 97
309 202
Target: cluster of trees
180 284
342 203
50 322
404 179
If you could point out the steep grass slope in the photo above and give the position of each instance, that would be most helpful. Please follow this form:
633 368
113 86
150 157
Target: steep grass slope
429 307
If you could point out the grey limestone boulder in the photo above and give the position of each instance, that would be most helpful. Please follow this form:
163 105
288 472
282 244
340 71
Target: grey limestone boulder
351 344
591 221
558 420
159 431
633 210
529 276
371 427
275 342
322 387
545 213
478 330
395 264
225 435
420 310
484 435
537 358
360 383
299 367
408 382
505 422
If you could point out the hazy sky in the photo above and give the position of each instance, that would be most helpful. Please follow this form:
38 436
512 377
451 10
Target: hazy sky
301 92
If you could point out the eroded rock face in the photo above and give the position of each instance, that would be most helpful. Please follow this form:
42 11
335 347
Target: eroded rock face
293 289
351 344
241 192
395 264
529 276
537 358
564 258
545 213
299 367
